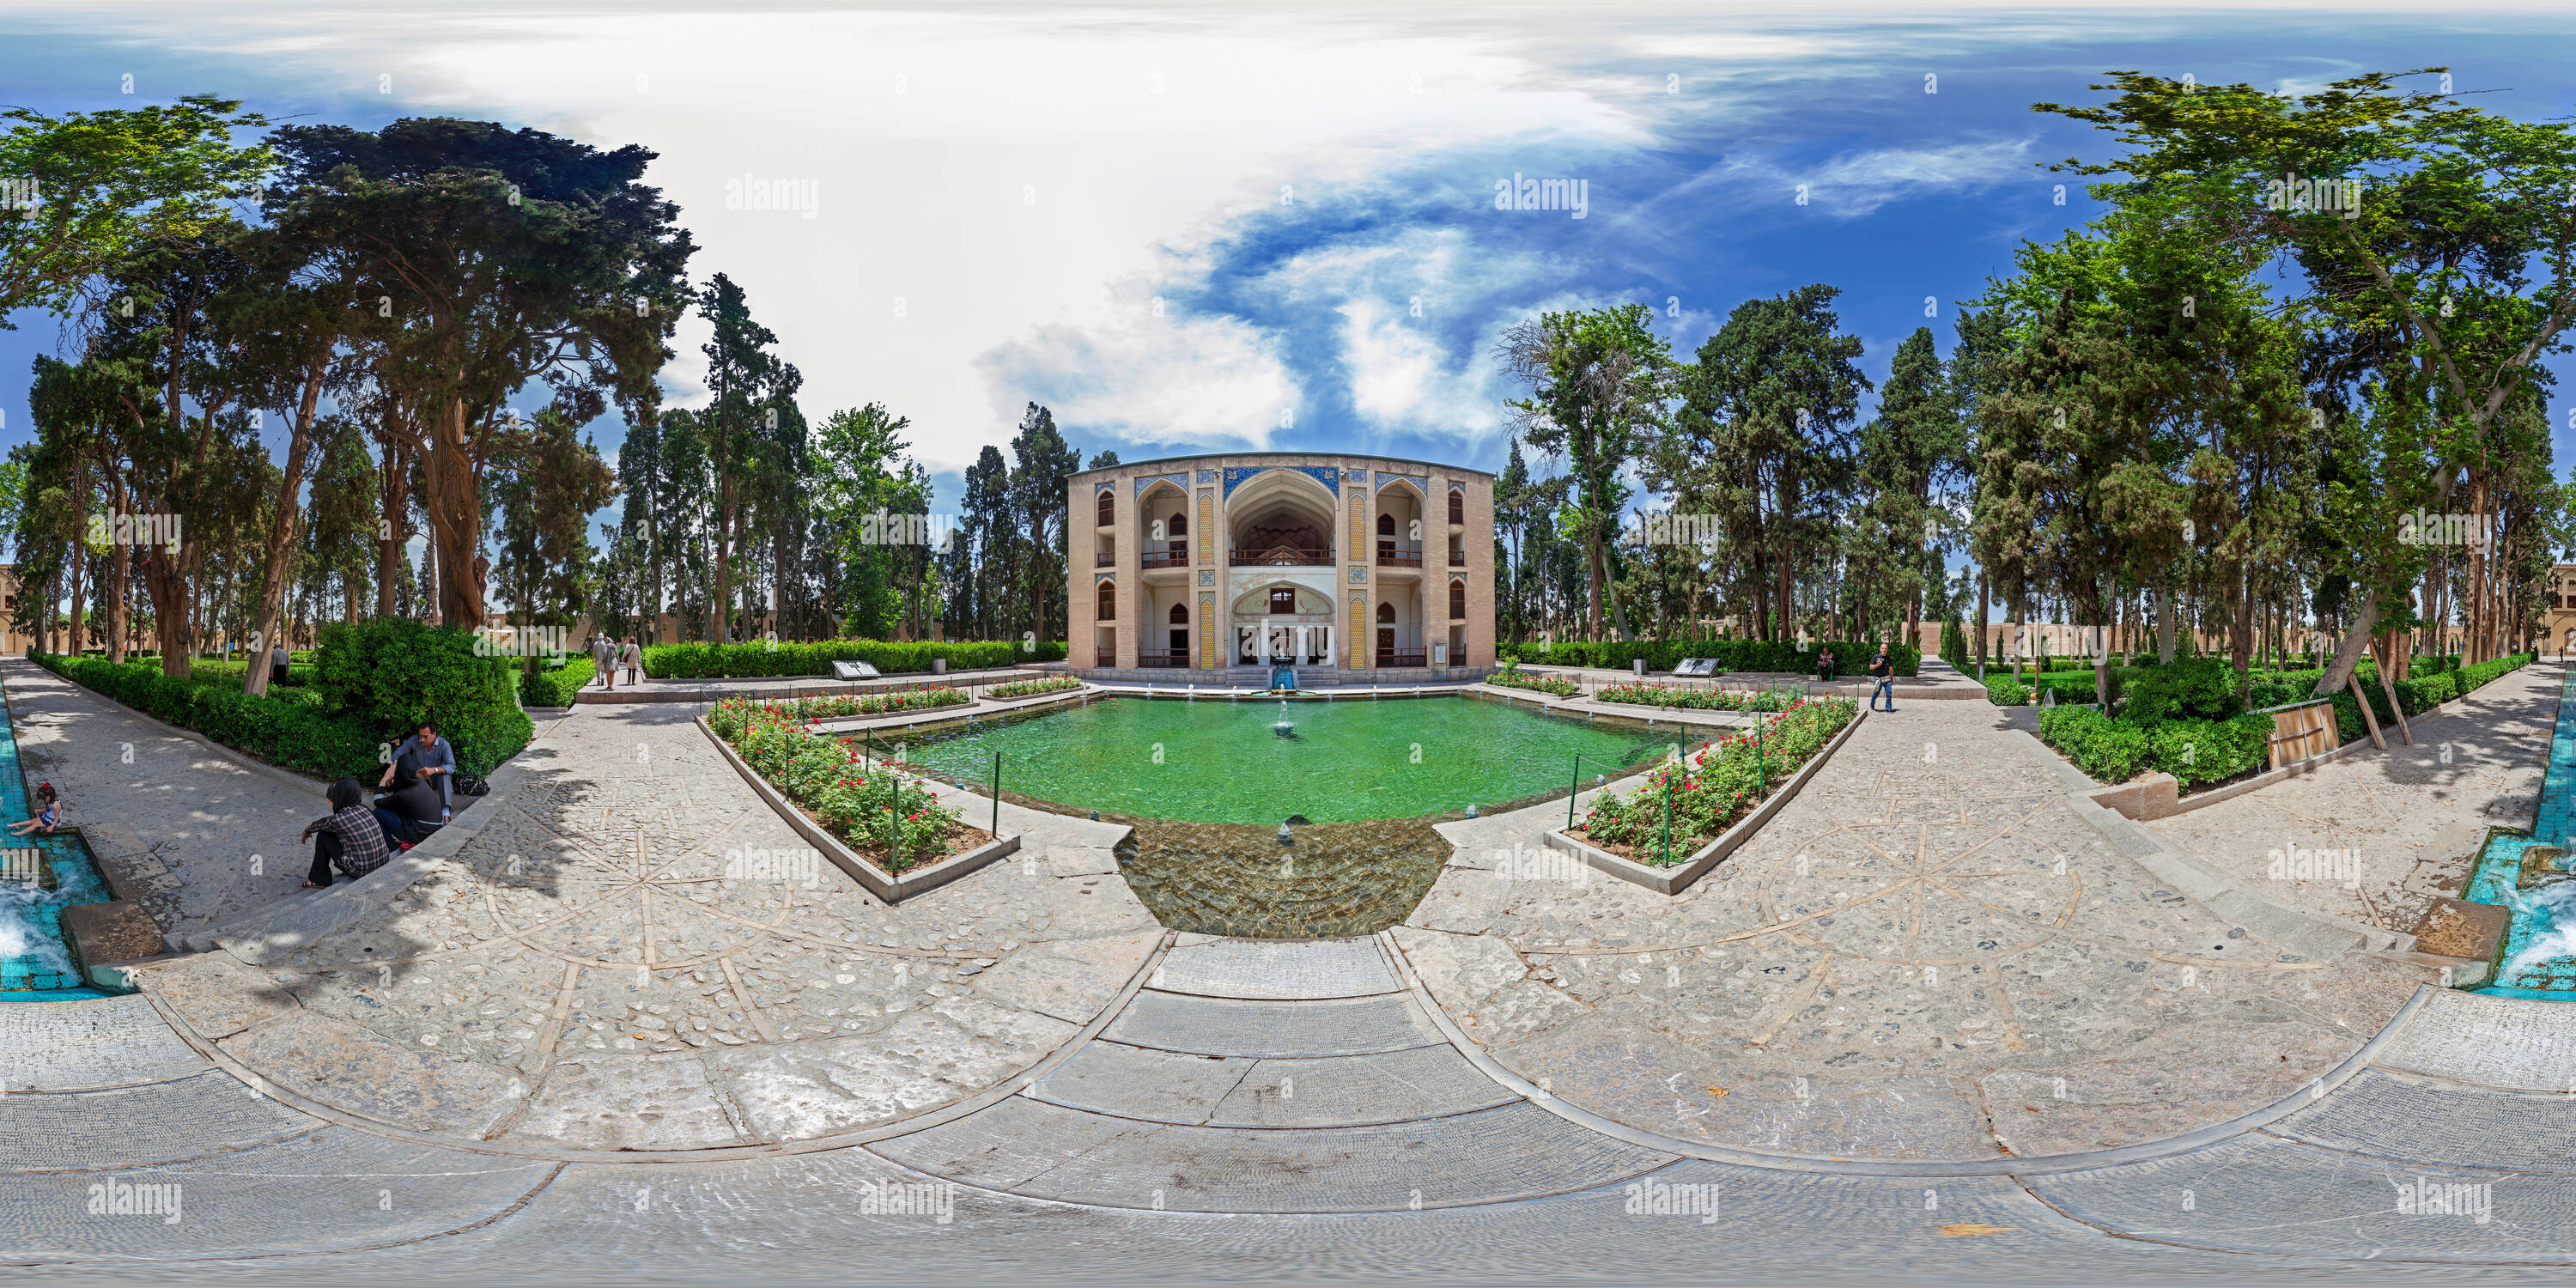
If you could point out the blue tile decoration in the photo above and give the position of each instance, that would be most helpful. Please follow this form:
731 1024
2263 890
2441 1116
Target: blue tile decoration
2499 867
1328 475
36 963
1181 481
1421 482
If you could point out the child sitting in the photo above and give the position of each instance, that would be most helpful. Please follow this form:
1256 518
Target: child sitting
49 811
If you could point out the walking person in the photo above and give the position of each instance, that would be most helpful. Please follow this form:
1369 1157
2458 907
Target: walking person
351 838
632 659
429 761
603 659
1883 673
277 663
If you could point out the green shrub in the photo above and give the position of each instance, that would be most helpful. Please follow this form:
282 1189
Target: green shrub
2208 751
390 675
2107 750
744 661
1510 676
1031 688
291 731
1733 655
557 688
2199 689
2005 691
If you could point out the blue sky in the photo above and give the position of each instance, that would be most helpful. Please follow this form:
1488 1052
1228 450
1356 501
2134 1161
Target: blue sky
1193 229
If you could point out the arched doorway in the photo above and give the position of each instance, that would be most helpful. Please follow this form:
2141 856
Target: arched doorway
1385 633
1180 630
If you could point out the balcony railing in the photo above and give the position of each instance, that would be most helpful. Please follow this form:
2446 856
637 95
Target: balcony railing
1457 558
1282 557
1399 559
1403 657
1166 559
1105 561
1163 659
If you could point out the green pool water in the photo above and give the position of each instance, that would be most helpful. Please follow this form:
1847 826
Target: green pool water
1348 760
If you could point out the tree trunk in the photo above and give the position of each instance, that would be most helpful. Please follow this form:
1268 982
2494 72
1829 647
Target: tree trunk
393 488
722 617
1983 607
456 522
284 519
2356 635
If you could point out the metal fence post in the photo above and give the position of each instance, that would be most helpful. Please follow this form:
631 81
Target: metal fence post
997 794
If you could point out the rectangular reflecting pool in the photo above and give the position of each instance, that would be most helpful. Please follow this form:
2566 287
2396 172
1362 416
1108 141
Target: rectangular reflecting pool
1346 760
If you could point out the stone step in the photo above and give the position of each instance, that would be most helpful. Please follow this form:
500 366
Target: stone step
1030 1147
1233 1027
2428 1123
1277 969
1333 1091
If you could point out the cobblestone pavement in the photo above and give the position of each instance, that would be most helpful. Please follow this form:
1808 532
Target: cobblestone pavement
197 818
1852 1057
638 954
1932 953
2380 834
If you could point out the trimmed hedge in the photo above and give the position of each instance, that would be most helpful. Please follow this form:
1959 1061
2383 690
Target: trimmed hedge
556 688
290 731
2114 750
1734 655
2005 691
390 675
2197 750
749 661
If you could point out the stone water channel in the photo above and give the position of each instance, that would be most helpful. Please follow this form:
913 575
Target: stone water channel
2528 873
37 961
1358 783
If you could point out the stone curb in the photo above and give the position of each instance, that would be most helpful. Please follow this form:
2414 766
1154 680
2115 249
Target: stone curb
2284 924
891 887
936 716
923 1121
273 773
2039 1164
1675 879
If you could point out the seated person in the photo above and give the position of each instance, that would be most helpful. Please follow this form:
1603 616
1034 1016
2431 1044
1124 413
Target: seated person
407 803
49 811
351 838
434 760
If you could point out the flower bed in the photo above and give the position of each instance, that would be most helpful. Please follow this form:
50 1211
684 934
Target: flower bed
1659 695
1714 786
1512 677
869 805
1031 688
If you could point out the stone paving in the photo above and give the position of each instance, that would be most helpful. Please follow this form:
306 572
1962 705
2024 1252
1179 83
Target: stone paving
2380 834
640 955
215 839
1932 953
1876 1023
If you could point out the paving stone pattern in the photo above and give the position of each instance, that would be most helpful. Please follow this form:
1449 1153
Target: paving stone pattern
1932 958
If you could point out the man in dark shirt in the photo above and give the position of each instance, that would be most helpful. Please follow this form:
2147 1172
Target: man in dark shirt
1883 673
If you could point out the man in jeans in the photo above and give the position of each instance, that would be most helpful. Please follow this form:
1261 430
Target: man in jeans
1882 673
434 761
